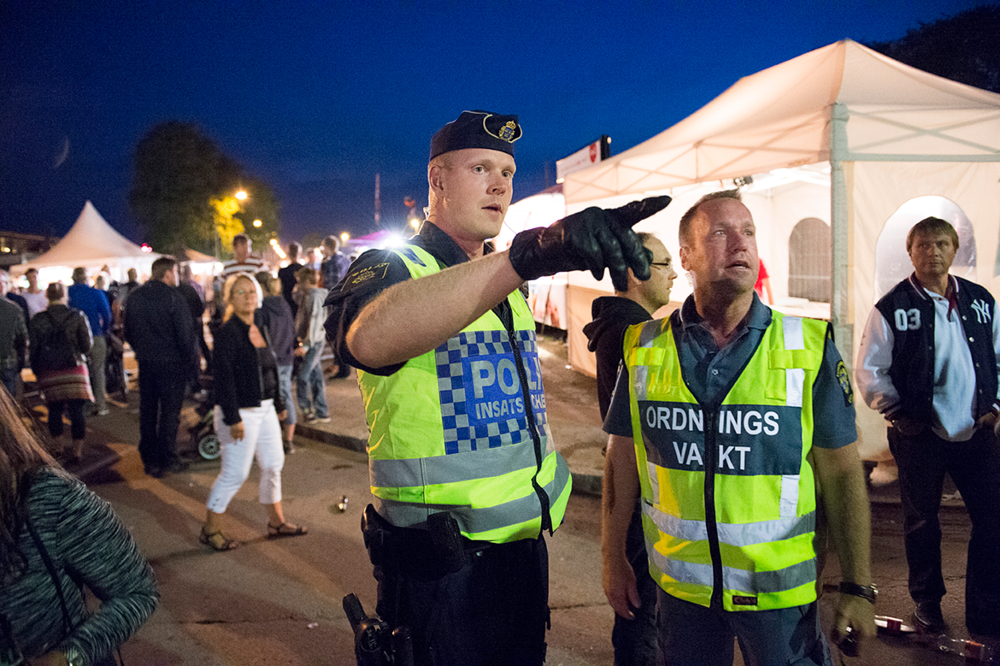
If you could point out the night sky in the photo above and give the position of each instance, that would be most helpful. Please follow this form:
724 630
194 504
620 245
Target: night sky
315 98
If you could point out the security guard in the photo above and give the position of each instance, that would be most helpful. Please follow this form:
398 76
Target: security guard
735 414
463 471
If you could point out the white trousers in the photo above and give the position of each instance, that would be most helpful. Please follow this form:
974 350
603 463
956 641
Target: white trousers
261 438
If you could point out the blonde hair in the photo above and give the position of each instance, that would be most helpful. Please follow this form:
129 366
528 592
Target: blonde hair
227 292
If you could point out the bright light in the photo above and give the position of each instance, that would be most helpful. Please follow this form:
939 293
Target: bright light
257 223
145 247
277 248
415 223
393 240
241 195
344 237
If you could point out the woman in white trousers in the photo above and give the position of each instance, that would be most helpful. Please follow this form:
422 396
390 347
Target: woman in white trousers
248 409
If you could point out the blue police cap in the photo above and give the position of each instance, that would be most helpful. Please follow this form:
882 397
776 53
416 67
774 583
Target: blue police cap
477 129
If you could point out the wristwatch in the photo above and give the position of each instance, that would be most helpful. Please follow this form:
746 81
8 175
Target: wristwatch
867 592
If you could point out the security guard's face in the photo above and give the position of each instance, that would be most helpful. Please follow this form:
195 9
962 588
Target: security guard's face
722 247
932 255
474 192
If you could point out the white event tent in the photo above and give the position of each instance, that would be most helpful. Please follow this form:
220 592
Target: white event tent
92 243
845 149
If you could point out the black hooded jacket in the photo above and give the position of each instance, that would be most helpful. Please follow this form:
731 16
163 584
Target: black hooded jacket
612 315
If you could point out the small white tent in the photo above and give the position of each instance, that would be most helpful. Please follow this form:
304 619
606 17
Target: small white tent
840 136
91 243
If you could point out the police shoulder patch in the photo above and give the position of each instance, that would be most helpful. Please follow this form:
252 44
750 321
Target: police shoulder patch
845 383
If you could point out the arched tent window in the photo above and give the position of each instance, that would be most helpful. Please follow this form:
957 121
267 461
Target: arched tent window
892 262
810 259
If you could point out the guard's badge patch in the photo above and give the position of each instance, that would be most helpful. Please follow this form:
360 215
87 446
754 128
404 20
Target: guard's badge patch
845 383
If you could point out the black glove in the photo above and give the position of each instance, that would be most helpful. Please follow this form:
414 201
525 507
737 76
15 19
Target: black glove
593 239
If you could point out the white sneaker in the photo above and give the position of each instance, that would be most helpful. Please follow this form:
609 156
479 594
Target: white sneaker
318 419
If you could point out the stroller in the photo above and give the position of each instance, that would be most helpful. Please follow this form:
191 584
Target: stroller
203 432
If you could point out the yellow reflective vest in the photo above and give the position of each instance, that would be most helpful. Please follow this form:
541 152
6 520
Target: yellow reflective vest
463 429
729 501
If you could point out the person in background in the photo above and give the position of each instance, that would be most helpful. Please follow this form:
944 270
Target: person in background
60 339
242 261
929 362
763 284
740 421
275 320
55 538
158 327
634 640
287 276
247 413
94 304
314 258
34 295
13 296
310 385
333 268
13 339
196 304
123 291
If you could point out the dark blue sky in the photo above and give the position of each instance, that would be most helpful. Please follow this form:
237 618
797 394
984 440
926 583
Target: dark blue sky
316 97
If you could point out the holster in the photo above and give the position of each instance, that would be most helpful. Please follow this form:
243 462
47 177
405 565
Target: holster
423 554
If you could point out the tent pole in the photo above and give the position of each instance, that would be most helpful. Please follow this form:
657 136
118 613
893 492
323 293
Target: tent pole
840 220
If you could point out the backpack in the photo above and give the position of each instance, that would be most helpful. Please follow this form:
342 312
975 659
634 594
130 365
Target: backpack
55 351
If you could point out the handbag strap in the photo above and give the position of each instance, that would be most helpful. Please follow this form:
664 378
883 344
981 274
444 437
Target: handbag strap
56 582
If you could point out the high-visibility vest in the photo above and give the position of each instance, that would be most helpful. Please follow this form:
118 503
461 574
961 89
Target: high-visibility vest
463 429
729 500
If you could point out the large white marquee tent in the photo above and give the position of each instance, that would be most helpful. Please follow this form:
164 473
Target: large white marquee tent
841 140
91 243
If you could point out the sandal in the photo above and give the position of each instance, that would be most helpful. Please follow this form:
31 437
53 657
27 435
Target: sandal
217 541
285 530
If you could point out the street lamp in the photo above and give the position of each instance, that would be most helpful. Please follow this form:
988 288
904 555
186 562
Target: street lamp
257 223
344 237
241 195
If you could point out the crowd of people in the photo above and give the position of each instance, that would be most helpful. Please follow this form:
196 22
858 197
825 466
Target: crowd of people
731 458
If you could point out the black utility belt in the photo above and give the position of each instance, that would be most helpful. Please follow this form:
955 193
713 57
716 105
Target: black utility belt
426 554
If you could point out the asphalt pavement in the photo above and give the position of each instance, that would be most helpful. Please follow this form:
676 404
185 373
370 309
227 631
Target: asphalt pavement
279 602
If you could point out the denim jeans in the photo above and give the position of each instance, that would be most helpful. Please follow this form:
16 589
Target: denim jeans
310 385
285 390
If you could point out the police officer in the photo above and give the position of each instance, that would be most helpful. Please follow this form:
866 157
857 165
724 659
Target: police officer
733 410
928 362
463 471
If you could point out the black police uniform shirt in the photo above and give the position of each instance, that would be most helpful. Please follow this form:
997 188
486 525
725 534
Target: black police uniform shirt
377 270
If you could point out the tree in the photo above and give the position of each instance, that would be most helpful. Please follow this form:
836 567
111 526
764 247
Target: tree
962 47
182 189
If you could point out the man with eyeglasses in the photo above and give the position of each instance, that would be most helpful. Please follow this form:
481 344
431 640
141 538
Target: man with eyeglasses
634 640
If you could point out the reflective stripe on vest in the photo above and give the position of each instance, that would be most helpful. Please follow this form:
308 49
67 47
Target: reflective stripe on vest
764 491
450 430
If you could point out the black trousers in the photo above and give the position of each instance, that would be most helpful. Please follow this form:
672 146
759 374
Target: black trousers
492 612
161 393
77 421
975 467
635 640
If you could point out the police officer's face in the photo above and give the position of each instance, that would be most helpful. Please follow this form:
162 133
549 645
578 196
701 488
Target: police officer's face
474 191
722 247
932 255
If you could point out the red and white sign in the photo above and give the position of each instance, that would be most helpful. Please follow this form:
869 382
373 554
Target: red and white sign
585 157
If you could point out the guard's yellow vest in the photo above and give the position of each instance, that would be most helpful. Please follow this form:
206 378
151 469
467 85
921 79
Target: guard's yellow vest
729 500
463 429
